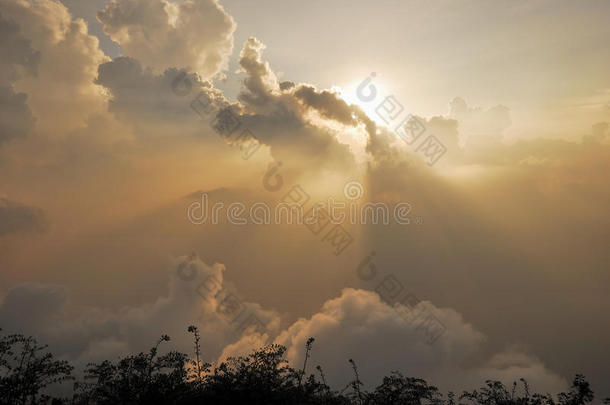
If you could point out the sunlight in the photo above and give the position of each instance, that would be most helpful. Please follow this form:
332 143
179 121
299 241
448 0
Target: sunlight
374 90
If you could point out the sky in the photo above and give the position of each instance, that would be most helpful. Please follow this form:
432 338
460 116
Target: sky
123 121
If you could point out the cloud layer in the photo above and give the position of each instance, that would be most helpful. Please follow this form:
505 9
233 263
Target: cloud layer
357 324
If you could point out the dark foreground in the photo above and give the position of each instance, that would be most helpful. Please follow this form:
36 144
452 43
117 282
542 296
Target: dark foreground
28 371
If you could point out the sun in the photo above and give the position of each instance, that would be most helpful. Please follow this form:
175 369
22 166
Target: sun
367 93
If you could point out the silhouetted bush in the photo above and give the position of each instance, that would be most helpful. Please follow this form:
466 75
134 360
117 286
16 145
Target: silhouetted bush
263 377
26 370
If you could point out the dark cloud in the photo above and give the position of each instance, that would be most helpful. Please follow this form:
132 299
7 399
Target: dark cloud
19 218
41 302
329 104
17 58
165 104
279 116
16 119
287 85
16 54
156 103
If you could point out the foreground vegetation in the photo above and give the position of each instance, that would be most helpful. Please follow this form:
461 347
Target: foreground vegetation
264 377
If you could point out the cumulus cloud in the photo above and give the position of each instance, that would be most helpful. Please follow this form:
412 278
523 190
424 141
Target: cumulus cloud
19 218
16 119
66 59
289 117
178 101
154 103
263 89
357 324
285 118
41 302
18 57
380 338
195 34
197 294
329 104
261 83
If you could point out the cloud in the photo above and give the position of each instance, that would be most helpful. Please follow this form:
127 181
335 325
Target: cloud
17 58
292 119
478 127
64 58
16 119
154 103
330 105
41 302
357 324
599 132
261 83
381 338
287 120
196 35
263 88
197 294
489 208
17 55
16 218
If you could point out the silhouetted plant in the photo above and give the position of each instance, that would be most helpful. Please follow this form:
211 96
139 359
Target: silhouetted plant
307 350
450 398
262 377
356 383
398 389
143 378
495 393
26 370
579 394
197 362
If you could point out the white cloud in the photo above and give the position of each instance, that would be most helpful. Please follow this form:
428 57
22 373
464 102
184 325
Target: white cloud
380 338
195 34
68 57
196 295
